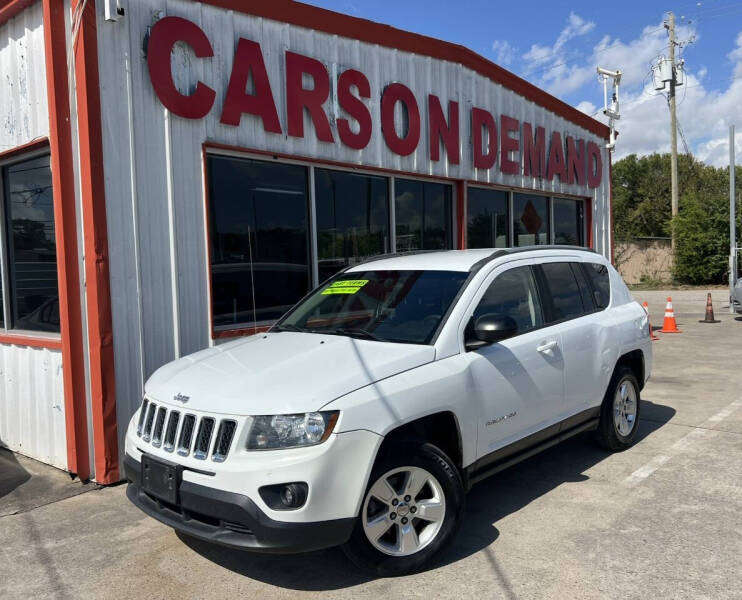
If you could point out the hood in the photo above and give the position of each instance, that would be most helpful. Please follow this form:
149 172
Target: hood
282 372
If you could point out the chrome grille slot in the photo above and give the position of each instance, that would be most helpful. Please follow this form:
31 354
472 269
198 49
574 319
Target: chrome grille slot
148 423
186 435
142 414
223 440
203 438
172 427
159 426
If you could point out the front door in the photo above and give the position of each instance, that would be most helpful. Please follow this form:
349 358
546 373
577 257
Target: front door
519 382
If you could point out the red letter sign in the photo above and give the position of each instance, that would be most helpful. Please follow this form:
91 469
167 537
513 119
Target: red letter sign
165 33
482 118
438 129
594 159
534 152
575 161
508 145
355 108
249 59
556 164
298 98
396 92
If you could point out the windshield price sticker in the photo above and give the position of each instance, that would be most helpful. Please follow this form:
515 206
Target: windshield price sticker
349 286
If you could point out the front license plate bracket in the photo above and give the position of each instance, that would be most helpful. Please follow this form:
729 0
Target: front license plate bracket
161 478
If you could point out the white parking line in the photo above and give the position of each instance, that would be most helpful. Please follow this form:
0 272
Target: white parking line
697 432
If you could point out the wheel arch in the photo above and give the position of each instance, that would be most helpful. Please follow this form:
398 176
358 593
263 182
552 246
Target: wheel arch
440 429
634 360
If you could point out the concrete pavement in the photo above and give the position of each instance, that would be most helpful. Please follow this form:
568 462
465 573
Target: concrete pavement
661 520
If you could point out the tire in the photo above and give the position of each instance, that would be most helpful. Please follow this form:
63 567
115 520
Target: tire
619 413
391 521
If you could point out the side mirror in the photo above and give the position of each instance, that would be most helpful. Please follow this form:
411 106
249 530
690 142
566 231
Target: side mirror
489 329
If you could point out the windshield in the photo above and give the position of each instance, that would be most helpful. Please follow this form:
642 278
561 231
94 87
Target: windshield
391 306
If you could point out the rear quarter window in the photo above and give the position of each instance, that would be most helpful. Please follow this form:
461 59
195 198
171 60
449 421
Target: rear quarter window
598 275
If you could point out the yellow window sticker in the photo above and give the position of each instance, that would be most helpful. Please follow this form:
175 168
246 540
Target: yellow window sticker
349 286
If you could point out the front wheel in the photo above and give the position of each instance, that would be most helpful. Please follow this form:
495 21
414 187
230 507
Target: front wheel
412 508
619 415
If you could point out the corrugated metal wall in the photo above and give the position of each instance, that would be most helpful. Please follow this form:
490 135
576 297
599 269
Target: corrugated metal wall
154 182
32 409
32 403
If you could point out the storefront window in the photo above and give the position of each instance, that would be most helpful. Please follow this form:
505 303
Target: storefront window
423 215
530 220
352 218
31 260
487 217
568 222
259 239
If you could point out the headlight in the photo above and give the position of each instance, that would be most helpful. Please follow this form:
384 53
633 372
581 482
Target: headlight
269 432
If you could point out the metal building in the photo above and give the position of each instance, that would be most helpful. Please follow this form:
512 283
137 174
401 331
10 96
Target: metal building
176 172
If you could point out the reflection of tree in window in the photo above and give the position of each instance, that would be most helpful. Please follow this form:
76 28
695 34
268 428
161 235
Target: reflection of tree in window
487 214
352 218
423 215
568 222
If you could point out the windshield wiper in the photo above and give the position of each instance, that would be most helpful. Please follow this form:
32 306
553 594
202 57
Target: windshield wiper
287 327
357 333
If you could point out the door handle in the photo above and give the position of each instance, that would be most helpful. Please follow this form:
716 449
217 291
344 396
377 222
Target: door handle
547 347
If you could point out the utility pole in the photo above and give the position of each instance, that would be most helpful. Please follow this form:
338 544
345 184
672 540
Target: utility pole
732 222
673 128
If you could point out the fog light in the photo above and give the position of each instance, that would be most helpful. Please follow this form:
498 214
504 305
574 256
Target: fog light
293 496
285 496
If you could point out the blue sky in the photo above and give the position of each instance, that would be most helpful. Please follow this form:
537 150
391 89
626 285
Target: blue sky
558 45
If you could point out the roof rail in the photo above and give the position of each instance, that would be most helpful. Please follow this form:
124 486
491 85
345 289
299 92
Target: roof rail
548 247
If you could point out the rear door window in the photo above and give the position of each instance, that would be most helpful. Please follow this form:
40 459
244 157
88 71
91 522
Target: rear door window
586 291
513 294
563 292
598 275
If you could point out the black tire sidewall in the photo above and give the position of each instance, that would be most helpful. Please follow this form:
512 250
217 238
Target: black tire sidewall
609 435
435 461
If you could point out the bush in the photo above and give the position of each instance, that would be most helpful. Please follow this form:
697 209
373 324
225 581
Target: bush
702 250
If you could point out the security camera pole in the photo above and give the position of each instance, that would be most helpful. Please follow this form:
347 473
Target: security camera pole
670 25
732 222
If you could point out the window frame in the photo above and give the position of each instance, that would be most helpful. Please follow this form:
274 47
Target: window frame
549 207
9 302
211 150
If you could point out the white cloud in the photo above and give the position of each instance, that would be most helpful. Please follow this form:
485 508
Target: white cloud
587 107
704 113
504 52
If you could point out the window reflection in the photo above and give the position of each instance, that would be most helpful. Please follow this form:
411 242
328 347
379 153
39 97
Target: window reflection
487 217
32 252
568 222
530 220
259 238
352 218
423 215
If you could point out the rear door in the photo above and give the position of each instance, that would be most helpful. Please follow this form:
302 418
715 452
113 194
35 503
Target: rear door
518 382
571 309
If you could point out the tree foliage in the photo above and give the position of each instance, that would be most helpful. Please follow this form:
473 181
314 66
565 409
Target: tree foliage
642 208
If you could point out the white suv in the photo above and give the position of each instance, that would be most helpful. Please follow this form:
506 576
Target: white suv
368 411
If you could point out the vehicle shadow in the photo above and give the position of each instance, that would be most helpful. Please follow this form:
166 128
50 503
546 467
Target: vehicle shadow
487 503
12 474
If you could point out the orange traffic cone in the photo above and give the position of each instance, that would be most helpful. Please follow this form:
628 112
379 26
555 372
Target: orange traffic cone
652 336
669 325
709 311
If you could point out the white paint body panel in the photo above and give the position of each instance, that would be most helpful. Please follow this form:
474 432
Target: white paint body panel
377 387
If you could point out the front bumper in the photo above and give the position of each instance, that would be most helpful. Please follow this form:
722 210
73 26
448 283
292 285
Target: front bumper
232 519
